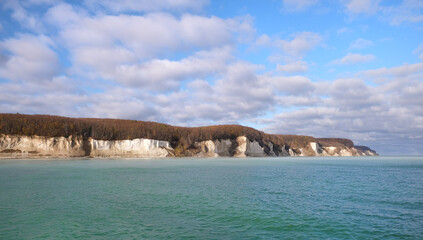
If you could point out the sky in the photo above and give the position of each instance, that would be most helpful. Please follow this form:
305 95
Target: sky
333 68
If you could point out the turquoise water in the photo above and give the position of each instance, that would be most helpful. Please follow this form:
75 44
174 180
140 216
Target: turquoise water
255 198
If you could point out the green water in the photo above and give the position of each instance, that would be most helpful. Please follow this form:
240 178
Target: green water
255 198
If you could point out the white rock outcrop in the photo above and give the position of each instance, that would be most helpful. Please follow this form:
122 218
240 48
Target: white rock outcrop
248 148
139 147
25 146
222 148
38 146
336 151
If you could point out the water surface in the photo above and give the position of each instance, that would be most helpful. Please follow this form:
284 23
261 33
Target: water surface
223 198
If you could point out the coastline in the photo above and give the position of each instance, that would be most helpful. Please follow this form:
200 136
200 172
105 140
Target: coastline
48 136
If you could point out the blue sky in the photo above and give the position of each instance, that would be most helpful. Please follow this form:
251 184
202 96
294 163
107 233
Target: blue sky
340 68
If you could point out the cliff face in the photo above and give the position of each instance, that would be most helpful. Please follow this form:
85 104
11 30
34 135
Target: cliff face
38 146
27 146
243 147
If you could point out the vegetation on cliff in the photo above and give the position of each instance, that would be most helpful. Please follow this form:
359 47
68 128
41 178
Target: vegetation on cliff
181 138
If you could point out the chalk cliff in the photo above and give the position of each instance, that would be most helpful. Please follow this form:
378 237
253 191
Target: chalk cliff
38 146
243 147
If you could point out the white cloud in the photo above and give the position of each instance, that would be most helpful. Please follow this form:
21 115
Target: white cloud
353 94
39 2
419 50
263 40
398 71
146 5
396 13
103 59
165 74
237 94
28 58
295 85
407 11
344 30
25 18
291 52
360 43
152 35
136 50
362 6
302 43
121 66
293 67
353 58
293 101
123 103
298 5
63 13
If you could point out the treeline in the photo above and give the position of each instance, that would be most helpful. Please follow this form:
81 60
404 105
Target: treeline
336 142
117 129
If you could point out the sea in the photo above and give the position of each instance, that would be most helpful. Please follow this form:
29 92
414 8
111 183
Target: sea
212 198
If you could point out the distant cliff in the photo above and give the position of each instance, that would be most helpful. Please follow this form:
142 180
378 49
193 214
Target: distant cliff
54 136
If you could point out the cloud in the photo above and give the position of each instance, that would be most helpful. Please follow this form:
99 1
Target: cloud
21 15
146 5
353 94
164 74
123 103
263 40
160 33
360 43
121 66
28 58
419 50
362 6
238 93
298 5
409 11
291 52
293 67
292 85
114 48
289 101
353 58
64 13
398 71
344 30
302 43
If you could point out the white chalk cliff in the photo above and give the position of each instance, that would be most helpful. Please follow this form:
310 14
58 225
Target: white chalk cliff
247 148
318 150
38 146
